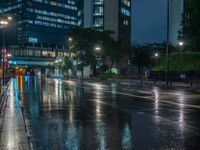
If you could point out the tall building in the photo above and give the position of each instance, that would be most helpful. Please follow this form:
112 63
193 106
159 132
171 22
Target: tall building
39 23
114 15
175 15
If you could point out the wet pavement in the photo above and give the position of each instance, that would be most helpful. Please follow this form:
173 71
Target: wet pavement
67 115
13 132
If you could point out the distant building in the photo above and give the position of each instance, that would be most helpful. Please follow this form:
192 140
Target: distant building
175 15
39 24
114 15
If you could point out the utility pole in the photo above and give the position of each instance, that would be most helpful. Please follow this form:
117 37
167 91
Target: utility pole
167 46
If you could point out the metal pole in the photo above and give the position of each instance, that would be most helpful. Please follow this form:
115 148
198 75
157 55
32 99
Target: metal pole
167 46
3 46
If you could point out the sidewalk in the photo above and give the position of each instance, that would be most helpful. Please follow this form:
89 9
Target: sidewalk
13 135
135 82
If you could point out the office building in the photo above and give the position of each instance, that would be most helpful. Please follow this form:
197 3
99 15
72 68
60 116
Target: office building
114 15
39 24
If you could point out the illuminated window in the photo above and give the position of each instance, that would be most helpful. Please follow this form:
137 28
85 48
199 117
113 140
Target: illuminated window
33 40
125 12
126 2
98 22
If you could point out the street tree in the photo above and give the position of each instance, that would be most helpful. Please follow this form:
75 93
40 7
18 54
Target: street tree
67 65
190 32
141 57
84 43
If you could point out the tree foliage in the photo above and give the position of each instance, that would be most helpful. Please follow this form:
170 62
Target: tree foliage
84 43
190 32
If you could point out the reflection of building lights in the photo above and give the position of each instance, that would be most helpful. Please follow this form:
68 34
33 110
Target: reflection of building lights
101 134
127 138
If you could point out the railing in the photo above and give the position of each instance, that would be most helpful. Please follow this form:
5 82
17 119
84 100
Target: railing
3 96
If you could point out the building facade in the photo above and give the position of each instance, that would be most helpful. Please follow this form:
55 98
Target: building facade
114 15
39 24
175 18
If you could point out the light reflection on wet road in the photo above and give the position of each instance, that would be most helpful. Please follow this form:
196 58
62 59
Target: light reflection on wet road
68 115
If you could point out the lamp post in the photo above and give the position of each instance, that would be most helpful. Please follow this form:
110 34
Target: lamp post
167 46
3 22
156 55
181 44
97 50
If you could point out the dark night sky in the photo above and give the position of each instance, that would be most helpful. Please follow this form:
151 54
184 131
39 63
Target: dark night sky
149 20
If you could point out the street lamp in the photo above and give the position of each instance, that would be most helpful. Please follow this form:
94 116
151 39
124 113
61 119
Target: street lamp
3 23
70 39
181 43
9 55
97 48
167 46
156 55
9 18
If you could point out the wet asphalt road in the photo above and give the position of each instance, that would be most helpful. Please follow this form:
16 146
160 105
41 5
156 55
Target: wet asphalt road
67 115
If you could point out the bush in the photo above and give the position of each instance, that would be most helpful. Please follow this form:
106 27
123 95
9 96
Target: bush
180 62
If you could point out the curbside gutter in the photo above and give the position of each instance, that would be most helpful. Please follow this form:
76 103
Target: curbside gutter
3 99
4 96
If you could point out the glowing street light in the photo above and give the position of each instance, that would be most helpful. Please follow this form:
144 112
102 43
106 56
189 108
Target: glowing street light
9 55
70 39
56 61
9 18
180 43
3 22
97 48
156 54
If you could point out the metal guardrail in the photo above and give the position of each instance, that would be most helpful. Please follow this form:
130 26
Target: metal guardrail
3 96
